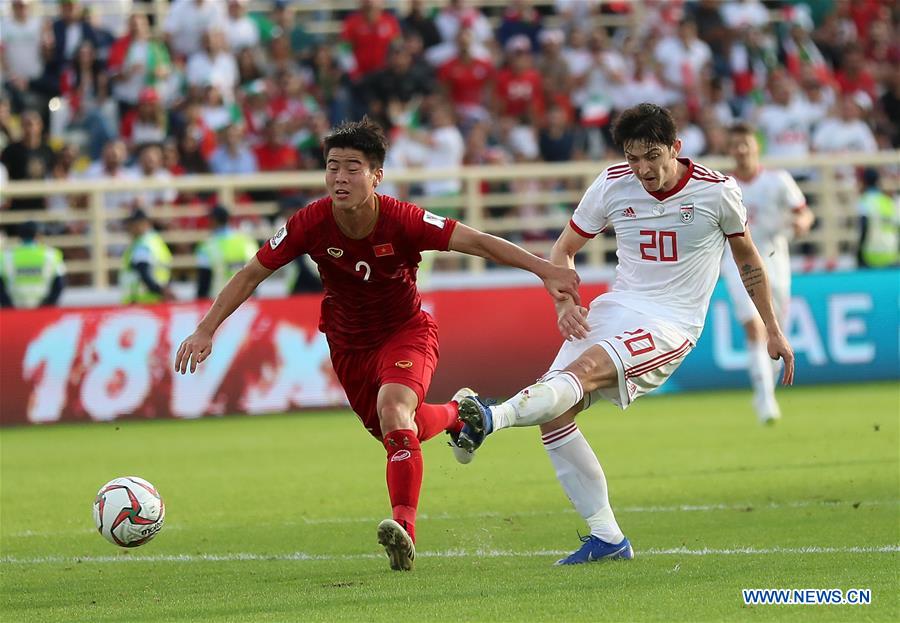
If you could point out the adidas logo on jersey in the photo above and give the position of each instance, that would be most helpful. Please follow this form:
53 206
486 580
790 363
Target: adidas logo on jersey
629 212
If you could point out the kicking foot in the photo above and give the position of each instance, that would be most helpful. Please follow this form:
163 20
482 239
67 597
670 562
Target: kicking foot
461 455
476 415
399 547
594 549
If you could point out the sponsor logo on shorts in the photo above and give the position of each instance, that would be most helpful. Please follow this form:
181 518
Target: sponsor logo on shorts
687 212
401 455
280 235
404 363
335 252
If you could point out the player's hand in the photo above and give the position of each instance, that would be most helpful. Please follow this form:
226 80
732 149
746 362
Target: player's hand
780 349
562 283
193 351
571 319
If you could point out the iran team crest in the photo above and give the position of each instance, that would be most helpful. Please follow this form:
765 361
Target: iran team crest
687 212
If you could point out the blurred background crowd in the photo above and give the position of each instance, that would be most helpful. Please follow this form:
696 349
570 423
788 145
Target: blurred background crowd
108 89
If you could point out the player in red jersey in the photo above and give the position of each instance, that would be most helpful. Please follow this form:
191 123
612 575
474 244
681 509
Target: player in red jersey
384 347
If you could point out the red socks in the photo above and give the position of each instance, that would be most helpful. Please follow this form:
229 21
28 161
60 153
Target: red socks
404 476
433 420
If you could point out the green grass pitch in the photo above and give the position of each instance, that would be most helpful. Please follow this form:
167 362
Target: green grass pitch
273 518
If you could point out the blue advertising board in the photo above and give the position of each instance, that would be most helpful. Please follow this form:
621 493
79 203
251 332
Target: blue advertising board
843 326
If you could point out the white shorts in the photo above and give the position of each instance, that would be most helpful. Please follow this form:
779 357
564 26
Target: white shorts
778 269
645 350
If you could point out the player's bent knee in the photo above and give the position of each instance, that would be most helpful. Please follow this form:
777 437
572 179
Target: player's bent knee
396 416
595 369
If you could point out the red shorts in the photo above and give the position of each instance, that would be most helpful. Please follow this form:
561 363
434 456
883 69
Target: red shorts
409 357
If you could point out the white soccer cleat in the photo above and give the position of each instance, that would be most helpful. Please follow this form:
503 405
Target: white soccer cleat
398 545
461 455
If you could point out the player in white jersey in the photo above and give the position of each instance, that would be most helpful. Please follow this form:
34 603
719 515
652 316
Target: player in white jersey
672 218
776 211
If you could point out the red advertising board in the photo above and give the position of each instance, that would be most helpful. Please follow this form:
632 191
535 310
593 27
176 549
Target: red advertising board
268 357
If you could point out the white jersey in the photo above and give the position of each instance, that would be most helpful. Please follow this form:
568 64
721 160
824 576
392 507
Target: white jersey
670 244
771 197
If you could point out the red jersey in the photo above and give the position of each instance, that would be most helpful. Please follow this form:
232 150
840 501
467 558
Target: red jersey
520 93
370 42
370 284
466 81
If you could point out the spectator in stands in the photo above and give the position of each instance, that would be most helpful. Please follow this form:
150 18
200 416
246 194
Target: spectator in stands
519 88
519 18
845 131
274 153
712 30
241 31
417 21
302 43
370 32
445 149
111 166
137 62
693 142
10 128
70 29
687 60
854 74
188 20
110 16
557 140
32 274
148 123
21 60
191 151
249 66
742 14
28 159
146 264
784 121
150 167
213 65
457 15
879 225
281 58
579 61
553 67
404 80
221 255
232 156
889 105
467 80
332 84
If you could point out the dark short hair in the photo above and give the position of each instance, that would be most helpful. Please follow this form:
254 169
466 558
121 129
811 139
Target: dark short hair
27 231
365 136
742 127
647 123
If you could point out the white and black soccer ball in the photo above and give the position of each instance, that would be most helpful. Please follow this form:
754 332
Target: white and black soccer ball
128 511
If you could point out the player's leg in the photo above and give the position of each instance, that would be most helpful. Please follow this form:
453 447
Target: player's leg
553 395
396 408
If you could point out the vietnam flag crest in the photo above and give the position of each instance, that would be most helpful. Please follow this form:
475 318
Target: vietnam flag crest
383 250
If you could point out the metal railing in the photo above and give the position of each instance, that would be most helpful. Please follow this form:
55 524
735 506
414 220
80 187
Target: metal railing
527 203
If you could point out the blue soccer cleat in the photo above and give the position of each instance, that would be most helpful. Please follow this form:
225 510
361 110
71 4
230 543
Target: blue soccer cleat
462 456
595 549
476 415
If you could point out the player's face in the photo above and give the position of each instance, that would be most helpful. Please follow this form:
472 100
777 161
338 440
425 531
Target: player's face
654 165
745 150
349 178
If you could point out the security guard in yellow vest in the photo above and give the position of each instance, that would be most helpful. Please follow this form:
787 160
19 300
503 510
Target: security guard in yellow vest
879 241
222 255
31 274
146 264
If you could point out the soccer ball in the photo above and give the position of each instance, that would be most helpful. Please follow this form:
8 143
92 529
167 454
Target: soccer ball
128 511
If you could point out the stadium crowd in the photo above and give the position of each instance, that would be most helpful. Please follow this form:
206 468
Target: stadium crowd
92 89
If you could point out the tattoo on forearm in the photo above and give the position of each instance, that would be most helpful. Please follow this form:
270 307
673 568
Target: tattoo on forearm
752 276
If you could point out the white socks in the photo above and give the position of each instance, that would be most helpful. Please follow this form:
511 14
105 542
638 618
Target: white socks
539 403
582 478
761 376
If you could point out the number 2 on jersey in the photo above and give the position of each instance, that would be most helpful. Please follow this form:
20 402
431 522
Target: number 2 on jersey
365 267
661 247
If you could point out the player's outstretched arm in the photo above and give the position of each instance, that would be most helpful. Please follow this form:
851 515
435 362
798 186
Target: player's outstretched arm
198 346
560 281
753 274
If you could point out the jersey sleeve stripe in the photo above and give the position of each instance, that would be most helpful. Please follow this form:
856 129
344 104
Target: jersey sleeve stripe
617 175
709 178
738 234
580 231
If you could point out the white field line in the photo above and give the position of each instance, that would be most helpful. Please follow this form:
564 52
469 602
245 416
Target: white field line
682 508
453 553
